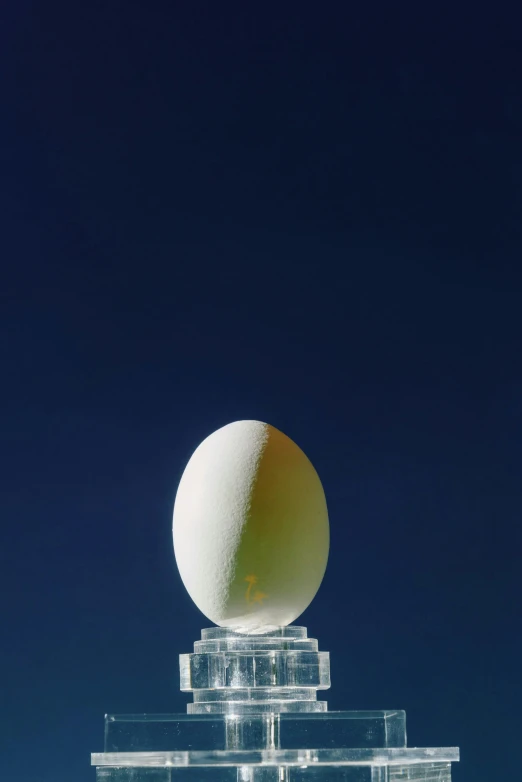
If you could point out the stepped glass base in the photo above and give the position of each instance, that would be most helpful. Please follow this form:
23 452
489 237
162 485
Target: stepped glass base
256 718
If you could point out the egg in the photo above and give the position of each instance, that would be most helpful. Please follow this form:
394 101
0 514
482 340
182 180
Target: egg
250 527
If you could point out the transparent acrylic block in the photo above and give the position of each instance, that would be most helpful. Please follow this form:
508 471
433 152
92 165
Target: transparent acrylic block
255 717
283 730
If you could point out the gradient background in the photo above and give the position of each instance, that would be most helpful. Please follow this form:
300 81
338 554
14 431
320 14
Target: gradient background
305 215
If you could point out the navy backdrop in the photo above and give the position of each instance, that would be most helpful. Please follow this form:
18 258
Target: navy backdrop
305 214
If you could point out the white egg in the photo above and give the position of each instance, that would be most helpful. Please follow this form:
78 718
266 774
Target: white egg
251 532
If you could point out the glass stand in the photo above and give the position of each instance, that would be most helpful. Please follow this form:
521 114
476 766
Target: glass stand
256 718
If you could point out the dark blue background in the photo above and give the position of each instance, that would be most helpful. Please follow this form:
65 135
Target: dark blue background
308 214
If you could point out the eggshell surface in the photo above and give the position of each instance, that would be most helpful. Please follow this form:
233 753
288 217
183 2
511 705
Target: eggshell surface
251 532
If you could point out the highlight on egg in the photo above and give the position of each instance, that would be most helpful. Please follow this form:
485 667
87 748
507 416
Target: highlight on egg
250 527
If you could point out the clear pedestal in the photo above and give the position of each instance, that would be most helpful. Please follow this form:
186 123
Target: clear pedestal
255 717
